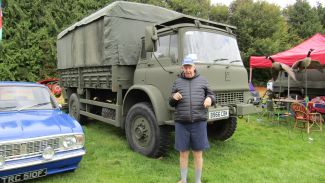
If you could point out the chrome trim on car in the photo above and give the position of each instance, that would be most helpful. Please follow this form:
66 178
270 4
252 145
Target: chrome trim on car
57 157
38 138
25 148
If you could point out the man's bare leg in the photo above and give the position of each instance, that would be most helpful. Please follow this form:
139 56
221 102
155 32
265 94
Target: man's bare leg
183 162
198 163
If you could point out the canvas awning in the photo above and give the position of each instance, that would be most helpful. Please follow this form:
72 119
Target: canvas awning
316 42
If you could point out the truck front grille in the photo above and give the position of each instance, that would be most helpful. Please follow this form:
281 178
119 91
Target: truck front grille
28 148
229 98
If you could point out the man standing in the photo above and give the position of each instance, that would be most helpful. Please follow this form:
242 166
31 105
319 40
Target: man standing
191 97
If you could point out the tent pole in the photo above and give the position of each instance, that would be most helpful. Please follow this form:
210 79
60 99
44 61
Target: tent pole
280 78
250 74
306 82
288 96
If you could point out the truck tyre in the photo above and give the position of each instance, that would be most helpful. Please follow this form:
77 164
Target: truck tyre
224 129
74 108
143 133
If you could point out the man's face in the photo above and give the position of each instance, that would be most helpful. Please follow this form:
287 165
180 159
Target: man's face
189 70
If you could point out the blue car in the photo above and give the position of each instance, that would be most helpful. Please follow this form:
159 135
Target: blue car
36 137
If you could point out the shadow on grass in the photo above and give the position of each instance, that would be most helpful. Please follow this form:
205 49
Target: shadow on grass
101 127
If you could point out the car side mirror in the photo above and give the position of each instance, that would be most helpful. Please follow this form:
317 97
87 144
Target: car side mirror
150 40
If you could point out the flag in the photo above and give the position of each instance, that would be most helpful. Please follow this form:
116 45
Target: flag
307 101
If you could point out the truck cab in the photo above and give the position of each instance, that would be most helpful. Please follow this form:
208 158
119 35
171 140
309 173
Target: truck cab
217 58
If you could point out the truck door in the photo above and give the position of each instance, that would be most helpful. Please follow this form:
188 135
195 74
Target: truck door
163 66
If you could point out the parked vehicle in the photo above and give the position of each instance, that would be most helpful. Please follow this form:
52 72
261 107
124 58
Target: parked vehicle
53 85
118 65
314 83
36 137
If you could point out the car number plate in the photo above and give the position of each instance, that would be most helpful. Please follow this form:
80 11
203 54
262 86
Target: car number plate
219 114
24 176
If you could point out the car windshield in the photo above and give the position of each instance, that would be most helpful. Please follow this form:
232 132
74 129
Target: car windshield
211 48
25 98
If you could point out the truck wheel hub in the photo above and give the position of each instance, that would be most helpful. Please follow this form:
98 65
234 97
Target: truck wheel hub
141 130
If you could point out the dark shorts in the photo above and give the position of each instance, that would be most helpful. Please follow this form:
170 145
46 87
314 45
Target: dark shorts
192 136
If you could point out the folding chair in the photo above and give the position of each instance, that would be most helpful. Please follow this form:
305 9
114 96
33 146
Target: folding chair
276 111
271 110
262 109
305 119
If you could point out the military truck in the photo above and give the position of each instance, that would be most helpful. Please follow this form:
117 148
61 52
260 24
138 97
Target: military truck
118 66
310 82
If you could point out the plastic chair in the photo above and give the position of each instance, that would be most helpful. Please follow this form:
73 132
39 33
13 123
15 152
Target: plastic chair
307 119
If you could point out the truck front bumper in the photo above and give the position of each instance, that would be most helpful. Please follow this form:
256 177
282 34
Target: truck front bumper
245 109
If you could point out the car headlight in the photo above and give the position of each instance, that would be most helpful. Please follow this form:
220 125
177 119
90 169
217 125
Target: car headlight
73 141
48 153
2 161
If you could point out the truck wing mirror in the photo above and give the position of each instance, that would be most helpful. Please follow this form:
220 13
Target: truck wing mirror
151 38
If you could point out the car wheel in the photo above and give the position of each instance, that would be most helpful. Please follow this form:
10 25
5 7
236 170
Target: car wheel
143 133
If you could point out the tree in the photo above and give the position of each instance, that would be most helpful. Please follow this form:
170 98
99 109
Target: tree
303 20
198 8
261 30
219 13
28 49
321 15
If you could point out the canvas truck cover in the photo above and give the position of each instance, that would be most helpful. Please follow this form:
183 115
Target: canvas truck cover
110 36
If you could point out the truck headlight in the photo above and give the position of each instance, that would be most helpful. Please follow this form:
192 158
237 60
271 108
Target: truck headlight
73 141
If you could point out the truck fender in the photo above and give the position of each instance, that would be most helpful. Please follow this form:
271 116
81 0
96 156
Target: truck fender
156 99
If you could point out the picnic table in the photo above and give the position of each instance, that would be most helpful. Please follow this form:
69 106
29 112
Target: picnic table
287 101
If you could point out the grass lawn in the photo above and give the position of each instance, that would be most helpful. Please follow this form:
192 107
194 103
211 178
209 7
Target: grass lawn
258 152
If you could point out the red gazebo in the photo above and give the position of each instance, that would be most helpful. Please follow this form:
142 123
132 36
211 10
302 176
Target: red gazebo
316 42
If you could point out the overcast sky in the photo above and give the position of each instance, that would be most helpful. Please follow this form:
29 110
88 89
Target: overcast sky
282 3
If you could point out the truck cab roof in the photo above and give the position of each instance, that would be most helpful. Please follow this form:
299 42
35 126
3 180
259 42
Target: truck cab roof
186 20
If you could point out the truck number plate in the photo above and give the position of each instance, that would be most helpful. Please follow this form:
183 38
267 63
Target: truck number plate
24 176
219 114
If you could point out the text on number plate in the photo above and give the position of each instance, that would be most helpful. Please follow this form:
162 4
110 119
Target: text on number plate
219 114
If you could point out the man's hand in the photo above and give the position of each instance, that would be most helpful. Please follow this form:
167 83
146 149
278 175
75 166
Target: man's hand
177 96
207 102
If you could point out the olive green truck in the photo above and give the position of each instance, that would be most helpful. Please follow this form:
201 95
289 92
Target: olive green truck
118 66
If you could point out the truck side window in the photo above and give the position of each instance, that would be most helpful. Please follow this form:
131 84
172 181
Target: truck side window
173 52
162 47
167 47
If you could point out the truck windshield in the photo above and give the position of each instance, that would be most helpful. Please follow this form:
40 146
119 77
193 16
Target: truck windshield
211 48
24 98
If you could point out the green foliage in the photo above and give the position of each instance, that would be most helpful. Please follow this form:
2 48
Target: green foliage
261 30
28 48
198 8
219 13
303 20
321 15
